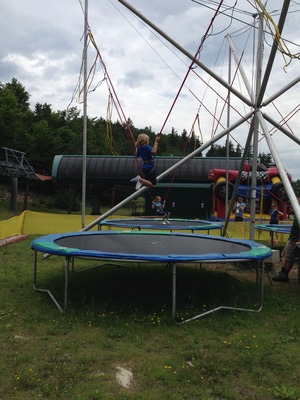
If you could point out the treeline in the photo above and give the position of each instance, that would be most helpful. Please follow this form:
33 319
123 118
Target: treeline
43 133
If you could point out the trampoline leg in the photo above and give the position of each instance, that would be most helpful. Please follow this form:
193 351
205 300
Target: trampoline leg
298 265
174 292
272 239
262 285
40 289
67 282
259 277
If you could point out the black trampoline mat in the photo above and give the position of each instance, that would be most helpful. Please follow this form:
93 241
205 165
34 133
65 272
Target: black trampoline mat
152 244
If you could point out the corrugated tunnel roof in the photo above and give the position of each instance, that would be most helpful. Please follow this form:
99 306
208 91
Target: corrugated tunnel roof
67 169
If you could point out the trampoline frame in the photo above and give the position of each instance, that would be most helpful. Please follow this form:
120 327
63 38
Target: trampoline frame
272 228
175 224
280 228
258 264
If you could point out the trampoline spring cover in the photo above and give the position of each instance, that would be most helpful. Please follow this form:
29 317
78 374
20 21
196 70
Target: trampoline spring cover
150 246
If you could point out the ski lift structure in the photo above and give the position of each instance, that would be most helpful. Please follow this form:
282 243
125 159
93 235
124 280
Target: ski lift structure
16 166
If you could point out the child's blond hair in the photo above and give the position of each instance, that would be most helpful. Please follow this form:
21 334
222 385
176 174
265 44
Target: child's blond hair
142 139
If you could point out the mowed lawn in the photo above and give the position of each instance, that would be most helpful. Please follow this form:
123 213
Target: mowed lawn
119 316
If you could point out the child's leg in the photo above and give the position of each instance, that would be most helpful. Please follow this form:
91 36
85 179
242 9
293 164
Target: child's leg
145 182
166 217
149 178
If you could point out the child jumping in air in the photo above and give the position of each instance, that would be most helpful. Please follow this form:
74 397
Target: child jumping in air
159 209
147 154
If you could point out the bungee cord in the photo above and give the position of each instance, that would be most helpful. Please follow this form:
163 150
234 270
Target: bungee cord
197 54
109 134
273 28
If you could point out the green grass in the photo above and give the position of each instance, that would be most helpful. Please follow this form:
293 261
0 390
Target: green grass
121 317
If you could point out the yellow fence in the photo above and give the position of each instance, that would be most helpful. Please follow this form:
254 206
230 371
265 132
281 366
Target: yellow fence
37 223
31 222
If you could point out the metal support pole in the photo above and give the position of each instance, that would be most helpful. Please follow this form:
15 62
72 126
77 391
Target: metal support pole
281 91
283 175
281 128
174 292
241 69
255 131
274 50
84 135
228 136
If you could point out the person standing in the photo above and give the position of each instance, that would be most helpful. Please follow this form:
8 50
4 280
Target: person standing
239 209
289 253
274 218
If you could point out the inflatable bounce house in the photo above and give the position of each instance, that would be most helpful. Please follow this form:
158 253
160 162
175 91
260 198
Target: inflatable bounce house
269 188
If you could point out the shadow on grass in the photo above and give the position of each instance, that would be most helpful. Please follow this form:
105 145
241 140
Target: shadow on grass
147 289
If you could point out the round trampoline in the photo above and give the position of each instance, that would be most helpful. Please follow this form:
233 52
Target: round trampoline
157 223
135 246
272 228
280 228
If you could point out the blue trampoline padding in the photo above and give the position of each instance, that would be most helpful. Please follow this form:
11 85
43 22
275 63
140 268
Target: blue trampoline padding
280 228
150 246
156 223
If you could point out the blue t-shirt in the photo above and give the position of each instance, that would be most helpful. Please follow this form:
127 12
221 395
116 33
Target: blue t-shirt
145 153
158 206
274 216
159 209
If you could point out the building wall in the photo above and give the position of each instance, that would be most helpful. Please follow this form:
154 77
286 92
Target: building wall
183 201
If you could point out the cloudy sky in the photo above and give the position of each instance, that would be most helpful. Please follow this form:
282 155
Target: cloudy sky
155 83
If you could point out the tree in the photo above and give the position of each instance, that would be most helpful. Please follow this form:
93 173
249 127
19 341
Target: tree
216 151
265 159
14 116
42 111
69 115
296 186
238 150
221 151
20 93
173 137
43 133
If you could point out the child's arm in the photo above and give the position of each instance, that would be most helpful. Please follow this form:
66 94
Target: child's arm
154 148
